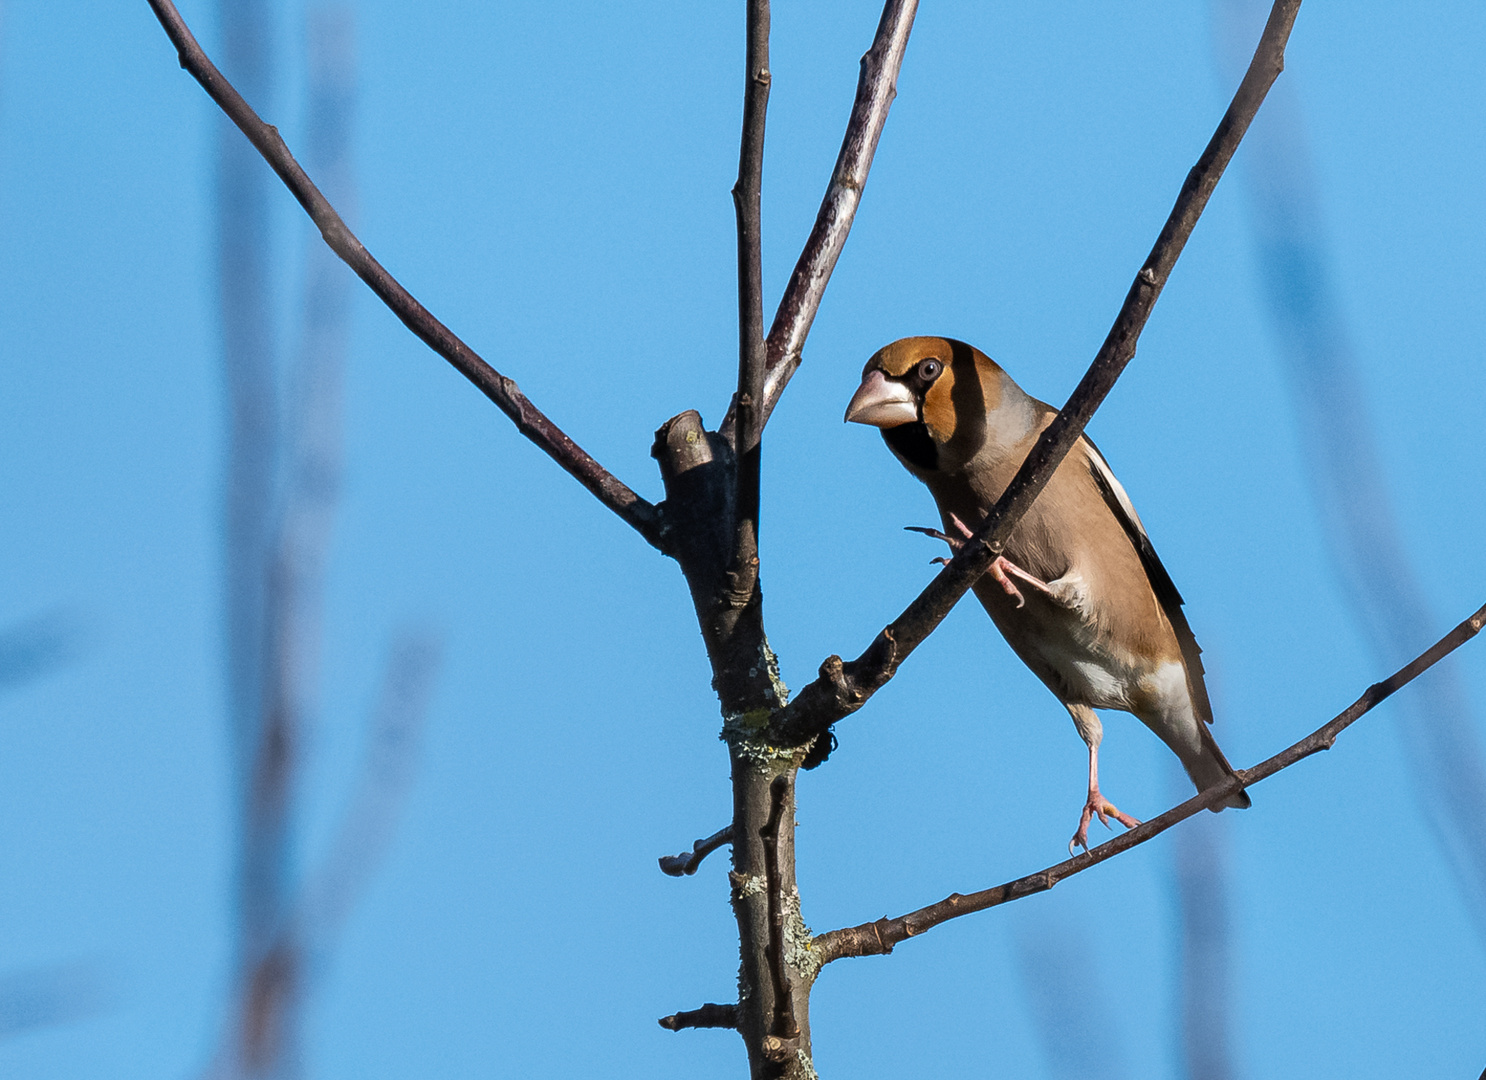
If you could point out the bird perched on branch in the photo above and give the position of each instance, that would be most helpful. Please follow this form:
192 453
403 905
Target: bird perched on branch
1078 593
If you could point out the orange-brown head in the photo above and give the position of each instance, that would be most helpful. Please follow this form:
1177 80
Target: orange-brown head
938 402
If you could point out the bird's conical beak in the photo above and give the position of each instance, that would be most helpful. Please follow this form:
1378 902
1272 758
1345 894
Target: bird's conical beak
881 403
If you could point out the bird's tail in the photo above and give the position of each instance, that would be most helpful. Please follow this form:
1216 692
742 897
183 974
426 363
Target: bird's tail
1210 767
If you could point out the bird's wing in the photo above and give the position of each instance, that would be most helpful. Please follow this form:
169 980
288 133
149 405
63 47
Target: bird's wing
1161 583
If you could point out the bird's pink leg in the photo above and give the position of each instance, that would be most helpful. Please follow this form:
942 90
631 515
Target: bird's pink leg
1098 805
1002 570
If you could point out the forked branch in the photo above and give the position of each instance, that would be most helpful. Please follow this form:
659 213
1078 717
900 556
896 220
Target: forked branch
842 688
877 938
877 85
529 420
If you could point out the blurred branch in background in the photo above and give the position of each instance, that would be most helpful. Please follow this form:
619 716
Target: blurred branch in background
34 646
262 746
248 365
370 815
1070 1005
268 1019
278 531
47 996
1203 887
1442 744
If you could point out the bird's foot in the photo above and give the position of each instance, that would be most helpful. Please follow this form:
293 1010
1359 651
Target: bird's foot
1097 806
1002 570
955 542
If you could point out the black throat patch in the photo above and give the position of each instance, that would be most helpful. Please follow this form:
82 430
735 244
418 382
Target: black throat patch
912 443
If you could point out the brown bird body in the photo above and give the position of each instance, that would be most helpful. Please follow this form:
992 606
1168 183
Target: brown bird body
1079 593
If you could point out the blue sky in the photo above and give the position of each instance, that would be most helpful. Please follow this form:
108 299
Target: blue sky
553 183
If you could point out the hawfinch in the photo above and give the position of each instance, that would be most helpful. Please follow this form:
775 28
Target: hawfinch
1079 593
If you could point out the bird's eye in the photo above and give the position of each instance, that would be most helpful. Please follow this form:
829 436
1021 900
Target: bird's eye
928 370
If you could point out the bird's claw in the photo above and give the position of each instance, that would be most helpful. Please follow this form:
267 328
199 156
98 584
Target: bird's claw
1002 569
1098 806
998 571
954 542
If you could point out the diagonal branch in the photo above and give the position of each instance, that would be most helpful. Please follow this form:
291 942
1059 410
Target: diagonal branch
751 354
877 85
529 420
842 688
878 938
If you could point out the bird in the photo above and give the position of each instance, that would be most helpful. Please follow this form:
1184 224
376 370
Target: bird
1078 592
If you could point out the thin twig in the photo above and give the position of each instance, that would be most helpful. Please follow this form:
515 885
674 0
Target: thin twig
878 938
529 420
877 85
708 1016
784 1008
743 572
842 688
687 862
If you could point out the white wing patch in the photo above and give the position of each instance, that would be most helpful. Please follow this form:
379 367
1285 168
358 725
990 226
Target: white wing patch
1165 589
1106 474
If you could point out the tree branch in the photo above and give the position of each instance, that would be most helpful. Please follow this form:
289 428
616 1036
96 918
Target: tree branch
686 863
708 1016
842 688
743 573
877 85
529 420
784 1012
878 938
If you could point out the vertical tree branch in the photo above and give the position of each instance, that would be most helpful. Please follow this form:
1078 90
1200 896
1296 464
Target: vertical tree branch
784 1025
751 355
774 991
700 480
